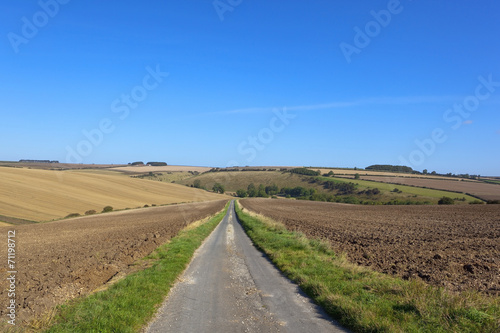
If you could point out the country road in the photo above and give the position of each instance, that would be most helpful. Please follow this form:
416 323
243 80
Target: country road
232 287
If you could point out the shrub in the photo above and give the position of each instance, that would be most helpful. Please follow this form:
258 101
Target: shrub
146 205
107 209
476 202
493 202
90 212
446 201
72 215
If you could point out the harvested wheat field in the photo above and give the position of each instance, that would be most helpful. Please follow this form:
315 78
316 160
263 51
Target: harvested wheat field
60 260
479 189
42 195
166 168
457 247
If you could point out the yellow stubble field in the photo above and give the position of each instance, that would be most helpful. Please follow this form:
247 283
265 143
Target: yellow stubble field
43 195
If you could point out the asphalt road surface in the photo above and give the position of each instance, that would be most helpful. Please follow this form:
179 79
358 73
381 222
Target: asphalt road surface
232 287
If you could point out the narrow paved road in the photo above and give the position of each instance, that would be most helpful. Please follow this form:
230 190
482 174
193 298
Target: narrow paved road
231 287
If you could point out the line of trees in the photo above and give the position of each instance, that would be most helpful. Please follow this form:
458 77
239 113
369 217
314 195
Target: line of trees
305 171
390 168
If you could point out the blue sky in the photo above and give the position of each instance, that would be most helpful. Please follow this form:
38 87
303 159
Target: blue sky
240 82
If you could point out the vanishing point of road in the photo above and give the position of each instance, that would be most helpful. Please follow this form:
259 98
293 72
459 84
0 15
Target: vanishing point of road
232 287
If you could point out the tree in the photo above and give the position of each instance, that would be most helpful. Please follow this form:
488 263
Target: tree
252 191
197 183
424 172
261 192
241 193
272 190
356 176
218 188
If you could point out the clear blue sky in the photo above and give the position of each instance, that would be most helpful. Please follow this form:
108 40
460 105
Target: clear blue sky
362 82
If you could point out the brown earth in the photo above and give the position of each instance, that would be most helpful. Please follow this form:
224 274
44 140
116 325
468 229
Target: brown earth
479 189
57 261
457 247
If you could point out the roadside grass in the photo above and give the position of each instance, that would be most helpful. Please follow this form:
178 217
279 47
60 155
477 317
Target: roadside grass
129 304
412 190
363 300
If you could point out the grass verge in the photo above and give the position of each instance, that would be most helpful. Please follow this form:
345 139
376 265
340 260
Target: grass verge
364 300
129 304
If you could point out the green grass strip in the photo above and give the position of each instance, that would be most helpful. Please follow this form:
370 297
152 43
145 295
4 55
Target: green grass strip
367 301
129 304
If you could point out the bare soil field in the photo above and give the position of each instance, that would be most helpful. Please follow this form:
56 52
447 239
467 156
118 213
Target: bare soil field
457 247
479 189
43 195
60 260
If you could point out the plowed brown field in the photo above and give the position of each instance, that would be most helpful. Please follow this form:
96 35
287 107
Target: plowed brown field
60 260
479 189
457 247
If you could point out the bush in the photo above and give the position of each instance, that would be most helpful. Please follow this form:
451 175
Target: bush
476 202
72 215
493 202
146 206
107 209
90 212
446 201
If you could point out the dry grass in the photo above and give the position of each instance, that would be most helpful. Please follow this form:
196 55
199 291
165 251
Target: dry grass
42 195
